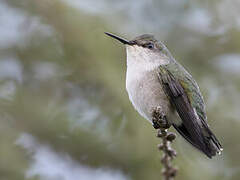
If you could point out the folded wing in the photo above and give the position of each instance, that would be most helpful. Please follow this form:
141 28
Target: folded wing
193 127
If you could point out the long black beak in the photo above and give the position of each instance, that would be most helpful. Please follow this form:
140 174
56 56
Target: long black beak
118 38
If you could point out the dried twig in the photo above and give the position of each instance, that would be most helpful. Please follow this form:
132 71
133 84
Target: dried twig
160 122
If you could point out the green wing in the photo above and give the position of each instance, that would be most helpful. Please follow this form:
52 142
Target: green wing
190 87
185 96
195 98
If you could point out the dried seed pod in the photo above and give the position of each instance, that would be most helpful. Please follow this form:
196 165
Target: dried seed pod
172 172
171 136
171 152
164 159
160 146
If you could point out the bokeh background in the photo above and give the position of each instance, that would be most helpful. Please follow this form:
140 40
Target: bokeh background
64 110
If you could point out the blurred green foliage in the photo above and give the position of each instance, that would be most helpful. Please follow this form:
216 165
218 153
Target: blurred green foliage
62 81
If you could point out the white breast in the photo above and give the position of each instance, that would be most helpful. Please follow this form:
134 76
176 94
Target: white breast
142 84
134 86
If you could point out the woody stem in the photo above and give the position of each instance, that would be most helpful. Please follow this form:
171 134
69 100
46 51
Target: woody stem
168 171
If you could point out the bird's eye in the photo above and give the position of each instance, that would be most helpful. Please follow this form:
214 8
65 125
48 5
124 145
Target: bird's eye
149 45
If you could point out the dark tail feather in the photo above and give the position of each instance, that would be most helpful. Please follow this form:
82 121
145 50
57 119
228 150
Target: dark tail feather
212 145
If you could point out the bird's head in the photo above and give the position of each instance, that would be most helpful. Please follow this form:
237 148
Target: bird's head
145 50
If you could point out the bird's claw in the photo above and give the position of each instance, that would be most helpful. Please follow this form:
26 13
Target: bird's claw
159 119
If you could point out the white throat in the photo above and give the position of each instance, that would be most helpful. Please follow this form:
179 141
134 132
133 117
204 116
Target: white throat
141 59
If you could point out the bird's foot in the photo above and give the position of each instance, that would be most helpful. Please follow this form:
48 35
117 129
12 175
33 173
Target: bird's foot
159 119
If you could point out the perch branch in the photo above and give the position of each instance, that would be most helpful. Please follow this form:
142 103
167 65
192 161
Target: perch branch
160 122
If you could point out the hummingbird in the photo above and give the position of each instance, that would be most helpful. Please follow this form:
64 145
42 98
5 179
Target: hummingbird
155 79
